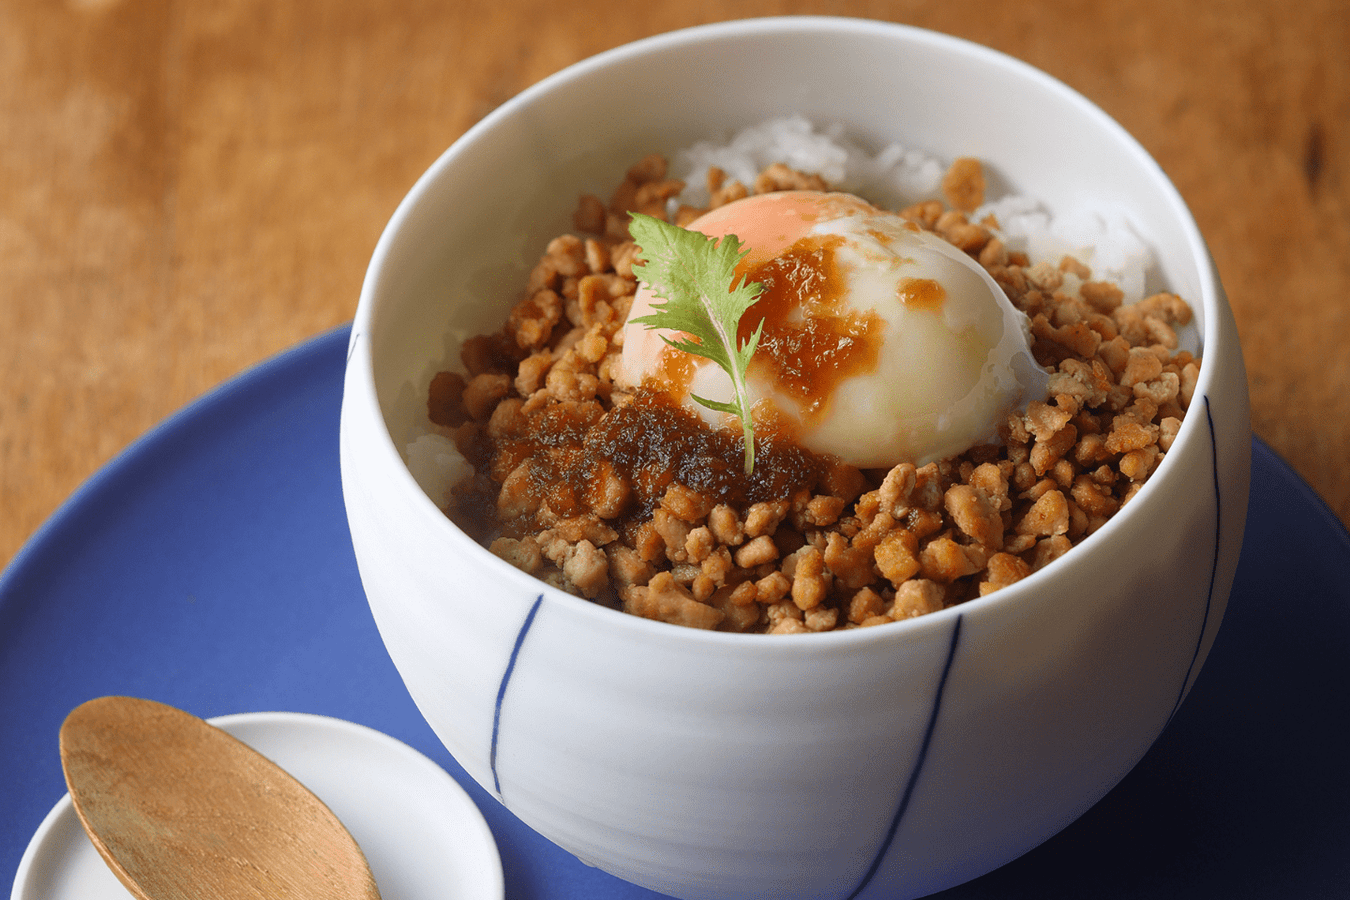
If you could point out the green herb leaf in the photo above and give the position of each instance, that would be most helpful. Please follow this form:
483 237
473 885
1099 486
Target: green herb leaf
695 275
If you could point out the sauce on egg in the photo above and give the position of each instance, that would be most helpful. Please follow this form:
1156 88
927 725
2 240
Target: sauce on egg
921 293
811 342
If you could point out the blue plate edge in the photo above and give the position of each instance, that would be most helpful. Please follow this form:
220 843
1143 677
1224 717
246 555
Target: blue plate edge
1297 482
103 478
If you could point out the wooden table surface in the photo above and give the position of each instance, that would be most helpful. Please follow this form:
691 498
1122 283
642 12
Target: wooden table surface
189 188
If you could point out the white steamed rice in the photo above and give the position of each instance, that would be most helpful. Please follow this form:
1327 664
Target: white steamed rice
896 177
435 462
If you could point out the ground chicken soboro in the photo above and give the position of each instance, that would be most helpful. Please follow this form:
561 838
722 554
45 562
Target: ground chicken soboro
625 499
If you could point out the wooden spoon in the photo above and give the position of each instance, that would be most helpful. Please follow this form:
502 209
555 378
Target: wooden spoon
180 809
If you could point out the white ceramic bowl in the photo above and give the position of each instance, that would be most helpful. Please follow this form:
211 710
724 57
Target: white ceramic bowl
882 762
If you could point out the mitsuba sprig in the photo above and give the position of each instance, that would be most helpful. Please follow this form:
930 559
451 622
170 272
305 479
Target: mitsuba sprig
695 277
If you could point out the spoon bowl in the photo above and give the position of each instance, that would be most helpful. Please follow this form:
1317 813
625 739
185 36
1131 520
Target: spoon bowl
178 808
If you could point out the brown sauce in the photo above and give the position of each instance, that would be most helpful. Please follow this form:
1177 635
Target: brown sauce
672 444
921 293
811 342
650 442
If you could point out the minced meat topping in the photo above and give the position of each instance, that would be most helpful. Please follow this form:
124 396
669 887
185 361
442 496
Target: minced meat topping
628 499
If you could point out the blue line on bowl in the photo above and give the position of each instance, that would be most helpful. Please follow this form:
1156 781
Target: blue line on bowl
1214 562
918 764
501 690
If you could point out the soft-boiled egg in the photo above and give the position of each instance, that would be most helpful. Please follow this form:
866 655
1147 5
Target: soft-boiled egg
882 343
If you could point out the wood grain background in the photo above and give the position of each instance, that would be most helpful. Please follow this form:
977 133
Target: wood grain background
189 188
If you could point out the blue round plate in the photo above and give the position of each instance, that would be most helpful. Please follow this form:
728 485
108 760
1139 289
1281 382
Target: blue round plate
209 567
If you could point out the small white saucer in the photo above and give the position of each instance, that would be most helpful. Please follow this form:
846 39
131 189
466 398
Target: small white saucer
421 833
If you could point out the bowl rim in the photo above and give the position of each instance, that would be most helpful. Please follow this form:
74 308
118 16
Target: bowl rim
360 375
